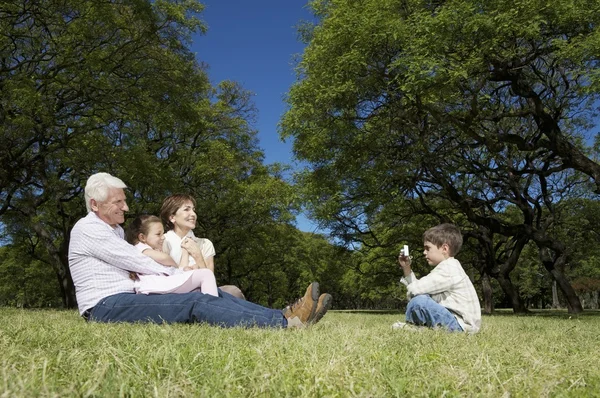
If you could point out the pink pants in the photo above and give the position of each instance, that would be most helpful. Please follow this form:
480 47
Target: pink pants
202 279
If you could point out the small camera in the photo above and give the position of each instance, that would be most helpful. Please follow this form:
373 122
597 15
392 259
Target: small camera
404 251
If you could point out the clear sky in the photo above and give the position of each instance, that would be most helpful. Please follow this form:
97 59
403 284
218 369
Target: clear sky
254 43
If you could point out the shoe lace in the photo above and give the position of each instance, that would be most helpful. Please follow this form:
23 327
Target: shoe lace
296 304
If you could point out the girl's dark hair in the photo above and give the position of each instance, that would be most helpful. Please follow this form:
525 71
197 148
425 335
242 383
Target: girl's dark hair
140 225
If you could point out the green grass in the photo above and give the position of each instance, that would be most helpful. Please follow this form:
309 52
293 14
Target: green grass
55 353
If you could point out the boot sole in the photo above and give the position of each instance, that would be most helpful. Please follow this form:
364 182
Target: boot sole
314 295
320 312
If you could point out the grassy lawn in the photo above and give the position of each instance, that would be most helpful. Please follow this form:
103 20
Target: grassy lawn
56 353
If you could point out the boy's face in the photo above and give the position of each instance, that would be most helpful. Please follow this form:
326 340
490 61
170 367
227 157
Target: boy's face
435 255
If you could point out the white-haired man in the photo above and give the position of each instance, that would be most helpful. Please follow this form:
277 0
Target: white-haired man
100 261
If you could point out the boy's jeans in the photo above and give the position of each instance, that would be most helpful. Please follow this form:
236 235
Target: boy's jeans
423 311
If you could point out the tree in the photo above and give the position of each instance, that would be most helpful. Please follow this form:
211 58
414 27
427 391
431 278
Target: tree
401 98
84 83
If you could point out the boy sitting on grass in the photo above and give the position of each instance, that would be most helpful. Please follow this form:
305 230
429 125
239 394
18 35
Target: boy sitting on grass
445 298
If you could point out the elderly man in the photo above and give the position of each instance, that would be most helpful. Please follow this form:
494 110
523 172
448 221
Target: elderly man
101 260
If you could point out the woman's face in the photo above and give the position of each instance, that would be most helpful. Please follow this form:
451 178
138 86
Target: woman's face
155 237
184 218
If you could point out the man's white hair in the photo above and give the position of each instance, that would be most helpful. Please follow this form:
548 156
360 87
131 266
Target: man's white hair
97 188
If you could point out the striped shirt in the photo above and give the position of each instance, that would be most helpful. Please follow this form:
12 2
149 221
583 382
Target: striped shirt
100 260
449 286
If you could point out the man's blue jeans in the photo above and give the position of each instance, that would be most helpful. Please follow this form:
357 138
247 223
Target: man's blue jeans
422 310
225 310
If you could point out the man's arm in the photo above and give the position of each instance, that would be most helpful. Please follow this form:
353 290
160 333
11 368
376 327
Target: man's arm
106 246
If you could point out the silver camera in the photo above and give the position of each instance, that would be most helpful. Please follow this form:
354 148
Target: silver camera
404 251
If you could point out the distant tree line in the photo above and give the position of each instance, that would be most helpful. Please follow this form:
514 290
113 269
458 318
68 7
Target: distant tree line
407 113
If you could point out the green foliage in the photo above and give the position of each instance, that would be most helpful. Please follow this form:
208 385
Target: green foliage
25 282
90 86
481 111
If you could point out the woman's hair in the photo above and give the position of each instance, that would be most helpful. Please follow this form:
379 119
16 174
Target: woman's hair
170 205
97 188
445 233
140 225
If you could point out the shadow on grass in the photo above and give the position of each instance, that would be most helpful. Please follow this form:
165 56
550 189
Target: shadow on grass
554 313
370 312
562 314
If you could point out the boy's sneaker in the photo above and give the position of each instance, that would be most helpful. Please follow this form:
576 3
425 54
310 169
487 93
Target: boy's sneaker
323 305
303 310
406 326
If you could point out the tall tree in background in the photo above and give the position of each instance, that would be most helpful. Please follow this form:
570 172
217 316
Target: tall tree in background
88 86
83 83
405 98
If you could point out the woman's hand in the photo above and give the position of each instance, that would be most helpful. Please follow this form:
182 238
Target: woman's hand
194 250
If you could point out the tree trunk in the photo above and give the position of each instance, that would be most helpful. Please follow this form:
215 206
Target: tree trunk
488 294
555 301
573 303
512 293
60 264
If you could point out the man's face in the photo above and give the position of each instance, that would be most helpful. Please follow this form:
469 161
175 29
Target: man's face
112 210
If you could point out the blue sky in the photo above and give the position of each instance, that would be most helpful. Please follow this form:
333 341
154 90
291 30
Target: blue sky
254 43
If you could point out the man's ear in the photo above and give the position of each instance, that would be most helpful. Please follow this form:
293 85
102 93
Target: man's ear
93 205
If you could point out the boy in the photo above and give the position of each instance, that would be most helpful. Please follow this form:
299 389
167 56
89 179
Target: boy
446 297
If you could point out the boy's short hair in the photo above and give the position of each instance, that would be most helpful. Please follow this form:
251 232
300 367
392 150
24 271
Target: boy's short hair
445 233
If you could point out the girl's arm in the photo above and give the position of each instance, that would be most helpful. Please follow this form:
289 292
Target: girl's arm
184 264
160 257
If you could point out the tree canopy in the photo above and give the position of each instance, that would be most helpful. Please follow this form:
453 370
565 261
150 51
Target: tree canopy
468 109
90 86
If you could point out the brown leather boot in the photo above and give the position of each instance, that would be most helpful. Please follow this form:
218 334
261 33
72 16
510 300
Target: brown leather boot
303 310
323 305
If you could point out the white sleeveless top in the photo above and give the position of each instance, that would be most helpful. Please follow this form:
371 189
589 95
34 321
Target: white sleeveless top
172 246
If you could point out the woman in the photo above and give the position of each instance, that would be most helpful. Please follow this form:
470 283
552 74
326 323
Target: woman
178 213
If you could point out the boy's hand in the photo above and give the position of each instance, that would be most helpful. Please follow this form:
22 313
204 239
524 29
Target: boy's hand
404 262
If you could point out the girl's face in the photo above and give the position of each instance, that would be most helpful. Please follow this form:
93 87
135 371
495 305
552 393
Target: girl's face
155 236
184 218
